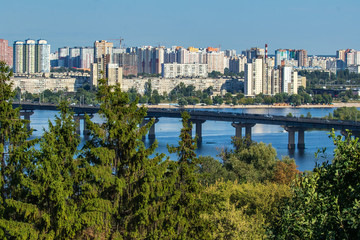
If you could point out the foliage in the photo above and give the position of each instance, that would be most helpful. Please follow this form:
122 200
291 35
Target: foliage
345 113
45 185
122 177
242 211
325 204
285 171
187 222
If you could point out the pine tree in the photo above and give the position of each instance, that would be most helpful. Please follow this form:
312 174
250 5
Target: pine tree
13 134
121 174
186 200
45 205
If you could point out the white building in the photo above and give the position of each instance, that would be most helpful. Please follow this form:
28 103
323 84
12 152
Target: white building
174 70
18 57
253 77
31 56
86 57
43 56
289 80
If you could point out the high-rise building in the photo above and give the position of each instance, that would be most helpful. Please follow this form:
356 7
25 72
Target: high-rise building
280 56
302 57
128 61
174 70
63 60
350 57
42 56
340 55
6 52
237 64
289 80
86 57
102 49
74 57
253 82
215 61
19 57
31 56
150 59
103 66
253 53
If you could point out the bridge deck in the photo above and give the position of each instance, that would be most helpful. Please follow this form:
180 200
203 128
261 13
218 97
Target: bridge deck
317 123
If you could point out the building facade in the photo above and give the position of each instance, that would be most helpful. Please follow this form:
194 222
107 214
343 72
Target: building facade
31 56
6 52
174 70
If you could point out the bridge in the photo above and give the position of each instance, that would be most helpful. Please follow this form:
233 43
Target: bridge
239 121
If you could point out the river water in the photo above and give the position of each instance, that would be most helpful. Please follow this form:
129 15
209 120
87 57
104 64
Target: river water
217 135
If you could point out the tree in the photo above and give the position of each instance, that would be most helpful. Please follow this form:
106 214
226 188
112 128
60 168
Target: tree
13 135
125 186
44 198
242 211
285 171
250 161
187 206
325 204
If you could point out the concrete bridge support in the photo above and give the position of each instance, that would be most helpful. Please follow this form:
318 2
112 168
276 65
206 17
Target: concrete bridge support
27 115
78 118
291 141
151 134
238 129
301 137
248 127
198 130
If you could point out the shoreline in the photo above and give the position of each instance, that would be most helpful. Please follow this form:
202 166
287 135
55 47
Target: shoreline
224 106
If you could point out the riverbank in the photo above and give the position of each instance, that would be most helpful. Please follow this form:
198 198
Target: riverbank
334 105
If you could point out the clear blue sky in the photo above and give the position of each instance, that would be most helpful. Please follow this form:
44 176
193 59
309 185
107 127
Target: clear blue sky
320 26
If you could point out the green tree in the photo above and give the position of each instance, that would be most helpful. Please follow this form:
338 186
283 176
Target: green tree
250 161
125 186
325 204
13 135
43 202
187 206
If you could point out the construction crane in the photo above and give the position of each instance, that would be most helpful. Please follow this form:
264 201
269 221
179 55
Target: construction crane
118 39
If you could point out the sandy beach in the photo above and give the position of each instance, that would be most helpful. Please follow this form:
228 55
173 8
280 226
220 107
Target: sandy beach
334 105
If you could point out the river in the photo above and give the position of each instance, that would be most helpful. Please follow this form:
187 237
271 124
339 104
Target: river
217 135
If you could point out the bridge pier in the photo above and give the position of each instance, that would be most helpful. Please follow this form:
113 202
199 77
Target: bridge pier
77 123
238 129
198 130
27 115
77 118
291 143
291 139
152 130
86 131
301 138
248 127
151 134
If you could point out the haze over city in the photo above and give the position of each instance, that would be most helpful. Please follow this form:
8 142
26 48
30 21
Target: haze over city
320 26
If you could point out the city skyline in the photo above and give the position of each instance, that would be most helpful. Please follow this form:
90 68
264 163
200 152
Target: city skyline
320 27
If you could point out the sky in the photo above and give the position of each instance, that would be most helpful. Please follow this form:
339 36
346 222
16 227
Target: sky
319 26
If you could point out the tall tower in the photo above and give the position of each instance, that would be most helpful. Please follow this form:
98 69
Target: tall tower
42 56
30 56
19 64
